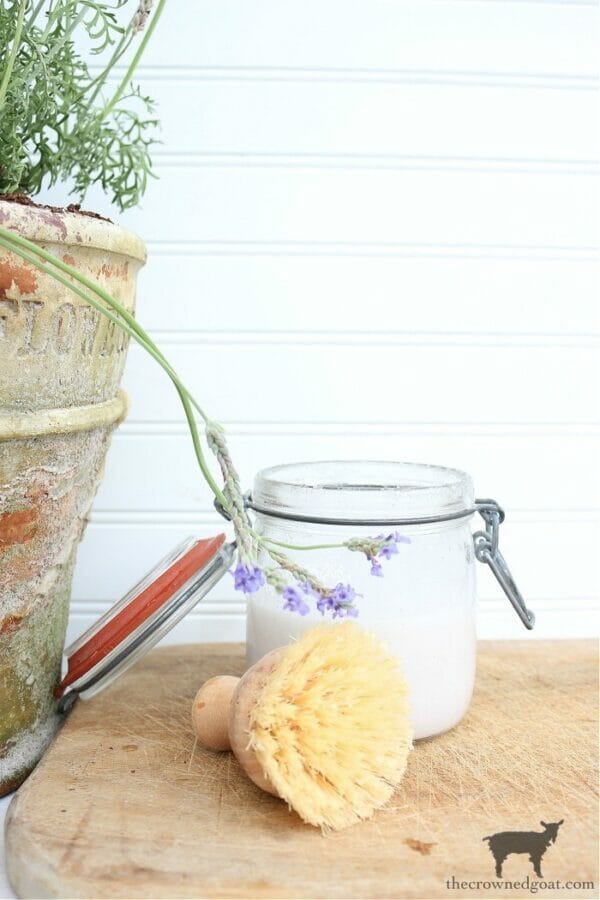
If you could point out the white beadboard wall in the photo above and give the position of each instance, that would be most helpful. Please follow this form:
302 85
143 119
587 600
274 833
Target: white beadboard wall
374 234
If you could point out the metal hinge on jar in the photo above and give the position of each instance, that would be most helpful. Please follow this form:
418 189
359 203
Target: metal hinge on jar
487 551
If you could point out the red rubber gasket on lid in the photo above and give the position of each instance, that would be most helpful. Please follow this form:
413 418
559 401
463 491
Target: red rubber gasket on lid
141 607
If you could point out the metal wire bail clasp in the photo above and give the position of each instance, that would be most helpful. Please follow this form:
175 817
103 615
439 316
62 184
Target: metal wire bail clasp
487 551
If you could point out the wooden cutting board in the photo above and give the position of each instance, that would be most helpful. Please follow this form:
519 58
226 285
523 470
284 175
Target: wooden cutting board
123 805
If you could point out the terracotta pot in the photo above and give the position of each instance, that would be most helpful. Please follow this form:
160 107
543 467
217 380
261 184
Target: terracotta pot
60 367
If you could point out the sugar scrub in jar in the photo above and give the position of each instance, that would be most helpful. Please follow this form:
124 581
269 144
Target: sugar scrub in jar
424 604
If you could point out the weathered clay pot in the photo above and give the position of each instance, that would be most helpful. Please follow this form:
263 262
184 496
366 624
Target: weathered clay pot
60 366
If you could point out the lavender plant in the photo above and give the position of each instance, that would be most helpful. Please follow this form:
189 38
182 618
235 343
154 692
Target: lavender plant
58 119
261 560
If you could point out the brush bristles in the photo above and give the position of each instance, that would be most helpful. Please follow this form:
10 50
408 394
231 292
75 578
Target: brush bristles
330 727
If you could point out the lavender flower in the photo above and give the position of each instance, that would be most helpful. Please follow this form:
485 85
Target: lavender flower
376 567
388 550
351 612
340 612
140 18
248 579
339 601
343 594
382 546
294 601
342 598
324 603
309 589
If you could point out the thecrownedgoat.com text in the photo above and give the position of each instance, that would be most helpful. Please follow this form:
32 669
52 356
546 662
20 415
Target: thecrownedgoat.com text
532 885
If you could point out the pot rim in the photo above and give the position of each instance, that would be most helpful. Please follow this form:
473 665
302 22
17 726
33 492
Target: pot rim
47 226
20 425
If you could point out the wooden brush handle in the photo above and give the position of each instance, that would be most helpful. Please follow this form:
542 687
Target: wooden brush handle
221 715
210 712
242 703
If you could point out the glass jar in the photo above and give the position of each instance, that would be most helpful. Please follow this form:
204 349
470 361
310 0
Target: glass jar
424 606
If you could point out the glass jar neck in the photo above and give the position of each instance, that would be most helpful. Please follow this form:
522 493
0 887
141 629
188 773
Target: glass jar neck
363 493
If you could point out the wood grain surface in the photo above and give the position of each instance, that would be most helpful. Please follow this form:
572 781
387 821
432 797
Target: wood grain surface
123 805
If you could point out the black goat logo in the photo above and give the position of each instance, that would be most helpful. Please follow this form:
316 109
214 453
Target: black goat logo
535 843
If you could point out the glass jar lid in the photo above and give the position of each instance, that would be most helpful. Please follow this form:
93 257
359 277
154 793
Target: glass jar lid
362 492
143 616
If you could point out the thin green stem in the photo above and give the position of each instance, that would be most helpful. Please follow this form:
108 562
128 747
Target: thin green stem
35 12
124 320
50 21
135 61
100 79
13 53
265 540
189 414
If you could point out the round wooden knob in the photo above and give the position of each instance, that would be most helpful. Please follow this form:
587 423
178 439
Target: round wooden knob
210 712
221 715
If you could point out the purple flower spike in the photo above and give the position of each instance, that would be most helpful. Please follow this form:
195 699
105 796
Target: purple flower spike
294 601
376 568
248 579
324 604
341 601
343 593
388 550
350 612
308 589
401 538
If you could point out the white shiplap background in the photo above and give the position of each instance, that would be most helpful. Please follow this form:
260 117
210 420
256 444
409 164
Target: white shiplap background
372 236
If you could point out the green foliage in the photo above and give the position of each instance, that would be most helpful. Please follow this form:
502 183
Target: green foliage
56 120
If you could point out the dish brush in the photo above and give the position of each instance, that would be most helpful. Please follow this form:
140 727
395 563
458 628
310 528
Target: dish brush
322 723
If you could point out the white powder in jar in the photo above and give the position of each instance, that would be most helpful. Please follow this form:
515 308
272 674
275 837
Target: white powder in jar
436 652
